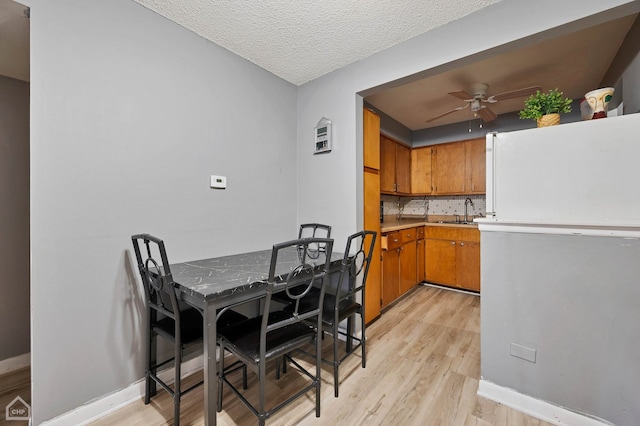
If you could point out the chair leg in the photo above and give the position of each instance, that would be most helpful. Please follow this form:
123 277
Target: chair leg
221 377
176 385
150 349
335 360
262 373
362 336
245 385
147 391
349 334
318 368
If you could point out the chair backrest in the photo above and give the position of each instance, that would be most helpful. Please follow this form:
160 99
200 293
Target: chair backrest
355 265
294 271
315 230
311 230
157 280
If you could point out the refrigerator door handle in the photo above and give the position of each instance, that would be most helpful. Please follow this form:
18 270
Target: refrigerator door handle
490 158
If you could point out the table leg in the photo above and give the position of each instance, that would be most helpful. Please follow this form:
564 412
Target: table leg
210 366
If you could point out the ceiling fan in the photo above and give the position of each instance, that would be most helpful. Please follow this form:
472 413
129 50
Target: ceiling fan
479 97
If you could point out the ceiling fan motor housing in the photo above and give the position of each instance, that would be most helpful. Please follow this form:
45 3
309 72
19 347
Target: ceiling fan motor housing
479 90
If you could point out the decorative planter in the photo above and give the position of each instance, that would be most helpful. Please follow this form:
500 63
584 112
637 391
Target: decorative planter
548 120
598 100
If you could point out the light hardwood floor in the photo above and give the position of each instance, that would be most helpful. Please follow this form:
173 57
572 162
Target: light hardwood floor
423 366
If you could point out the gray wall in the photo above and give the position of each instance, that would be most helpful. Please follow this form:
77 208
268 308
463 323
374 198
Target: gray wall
574 299
14 218
130 114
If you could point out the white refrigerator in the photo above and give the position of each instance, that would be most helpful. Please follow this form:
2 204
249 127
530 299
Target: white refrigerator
560 272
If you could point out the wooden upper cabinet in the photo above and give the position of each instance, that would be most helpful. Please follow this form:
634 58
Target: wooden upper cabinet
476 164
460 167
387 165
455 168
449 169
421 171
371 139
395 167
403 169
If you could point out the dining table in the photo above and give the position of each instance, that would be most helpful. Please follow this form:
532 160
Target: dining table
213 284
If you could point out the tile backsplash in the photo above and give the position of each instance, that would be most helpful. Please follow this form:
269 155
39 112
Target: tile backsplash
447 205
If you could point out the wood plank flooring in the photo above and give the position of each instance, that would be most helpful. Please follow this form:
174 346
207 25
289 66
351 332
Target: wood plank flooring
423 366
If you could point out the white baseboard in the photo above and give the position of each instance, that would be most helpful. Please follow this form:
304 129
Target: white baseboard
536 408
107 404
16 363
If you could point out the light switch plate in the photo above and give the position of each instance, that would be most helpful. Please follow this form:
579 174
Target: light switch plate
218 182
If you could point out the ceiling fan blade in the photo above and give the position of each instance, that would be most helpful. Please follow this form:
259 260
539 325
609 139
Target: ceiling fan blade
518 93
486 114
461 95
447 113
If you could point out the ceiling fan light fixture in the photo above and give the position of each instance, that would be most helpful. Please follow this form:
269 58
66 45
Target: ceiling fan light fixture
475 102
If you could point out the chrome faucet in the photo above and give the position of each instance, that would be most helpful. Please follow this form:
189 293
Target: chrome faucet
466 209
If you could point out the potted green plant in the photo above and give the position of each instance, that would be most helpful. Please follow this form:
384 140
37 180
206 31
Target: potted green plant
545 108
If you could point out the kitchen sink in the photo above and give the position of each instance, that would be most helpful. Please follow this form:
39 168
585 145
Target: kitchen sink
453 222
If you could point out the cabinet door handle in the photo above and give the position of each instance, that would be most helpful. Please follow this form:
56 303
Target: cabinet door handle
461 244
453 243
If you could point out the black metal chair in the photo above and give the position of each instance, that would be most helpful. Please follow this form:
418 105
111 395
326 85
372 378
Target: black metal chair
169 318
344 299
314 230
276 333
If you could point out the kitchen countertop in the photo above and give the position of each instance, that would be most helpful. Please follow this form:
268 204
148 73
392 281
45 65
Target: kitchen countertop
392 223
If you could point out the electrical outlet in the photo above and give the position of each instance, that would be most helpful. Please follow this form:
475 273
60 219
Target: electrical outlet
523 352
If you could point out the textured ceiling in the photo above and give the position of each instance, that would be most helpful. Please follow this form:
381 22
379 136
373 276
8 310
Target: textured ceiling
301 40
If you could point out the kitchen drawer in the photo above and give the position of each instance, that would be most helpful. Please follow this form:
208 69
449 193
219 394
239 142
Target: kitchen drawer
453 233
408 235
392 240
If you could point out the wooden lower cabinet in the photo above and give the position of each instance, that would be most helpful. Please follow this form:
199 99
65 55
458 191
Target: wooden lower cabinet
420 254
390 277
440 260
452 257
408 262
468 270
399 264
